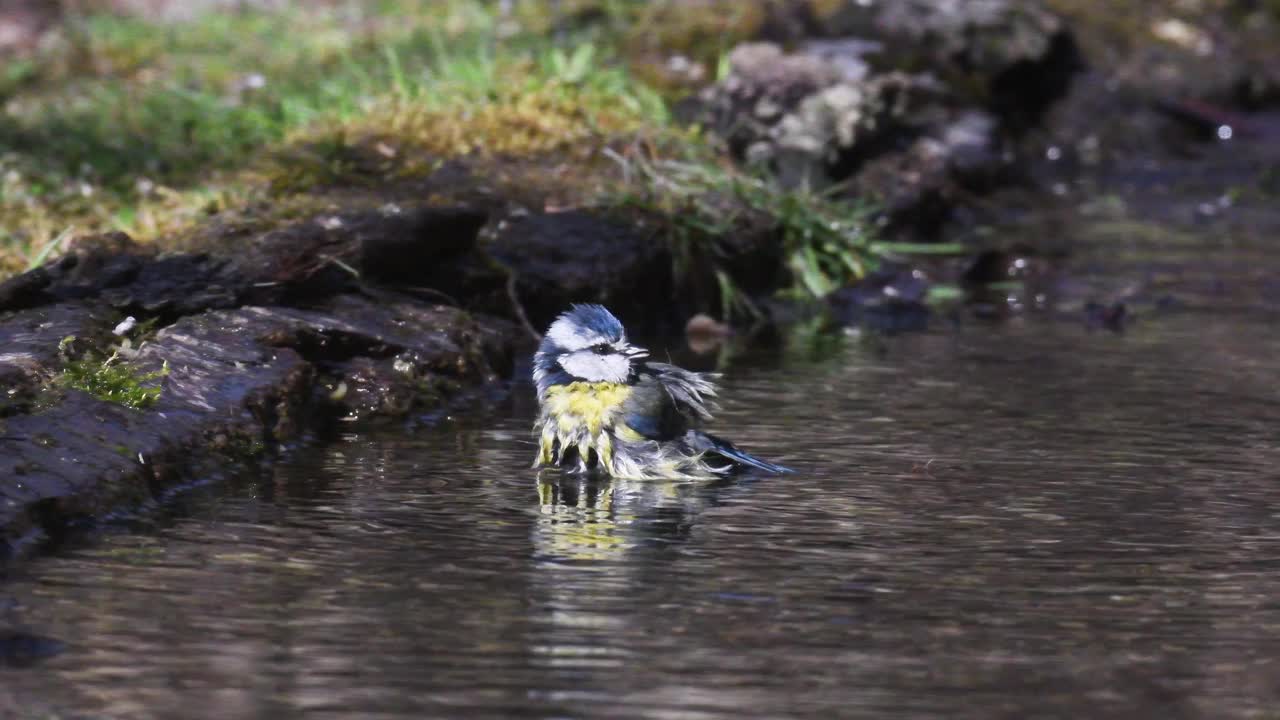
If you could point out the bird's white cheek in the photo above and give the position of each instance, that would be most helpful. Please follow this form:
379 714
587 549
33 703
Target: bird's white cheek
586 367
619 367
596 368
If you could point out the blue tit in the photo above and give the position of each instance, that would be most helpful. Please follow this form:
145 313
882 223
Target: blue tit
604 407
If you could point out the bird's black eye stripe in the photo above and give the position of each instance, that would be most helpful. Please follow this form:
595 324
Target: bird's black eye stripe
601 349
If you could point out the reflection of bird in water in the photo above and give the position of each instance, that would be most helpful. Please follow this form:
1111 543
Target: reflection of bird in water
604 407
577 520
596 517
600 543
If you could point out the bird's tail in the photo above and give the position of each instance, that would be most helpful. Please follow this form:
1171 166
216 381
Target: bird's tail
704 442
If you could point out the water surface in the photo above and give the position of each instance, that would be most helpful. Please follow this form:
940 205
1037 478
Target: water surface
1010 521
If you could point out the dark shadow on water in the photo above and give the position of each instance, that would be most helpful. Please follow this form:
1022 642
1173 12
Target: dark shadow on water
21 649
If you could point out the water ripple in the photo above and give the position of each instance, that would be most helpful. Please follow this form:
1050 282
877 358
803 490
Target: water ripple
995 524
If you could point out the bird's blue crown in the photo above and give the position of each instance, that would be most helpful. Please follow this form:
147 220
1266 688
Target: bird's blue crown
596 319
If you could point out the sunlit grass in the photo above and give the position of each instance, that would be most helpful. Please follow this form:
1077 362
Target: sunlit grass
148 128
826 242
562 100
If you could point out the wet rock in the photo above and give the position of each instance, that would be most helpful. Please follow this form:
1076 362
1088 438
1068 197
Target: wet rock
913 105
913 190
973 151
807 118
419 246
918 187
366 387
1113 316
115 272
1163 86
246 373
834 130
926 183
1016 263
577 256
849 57
29 344
762 86
85 456
240 376
25 290
1208 52
427 248
894 138
888 301
388 358
1014 57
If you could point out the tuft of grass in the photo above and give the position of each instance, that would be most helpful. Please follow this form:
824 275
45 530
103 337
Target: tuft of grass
110 379
827 242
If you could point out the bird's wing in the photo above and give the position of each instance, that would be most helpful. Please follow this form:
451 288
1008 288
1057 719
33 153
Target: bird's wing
666 401
706 443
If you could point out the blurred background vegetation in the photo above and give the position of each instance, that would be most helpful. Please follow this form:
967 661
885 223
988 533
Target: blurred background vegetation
147 116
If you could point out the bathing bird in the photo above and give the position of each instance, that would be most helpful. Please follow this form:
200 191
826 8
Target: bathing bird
605 408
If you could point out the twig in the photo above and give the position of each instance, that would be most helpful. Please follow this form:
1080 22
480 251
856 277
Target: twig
622 162
519 309
419 292
406 292
342 264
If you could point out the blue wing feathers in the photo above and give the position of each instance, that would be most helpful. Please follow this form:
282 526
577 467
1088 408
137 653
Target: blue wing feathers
668 403
705 442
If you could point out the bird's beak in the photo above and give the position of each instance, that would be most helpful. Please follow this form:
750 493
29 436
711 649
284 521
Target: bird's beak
636 353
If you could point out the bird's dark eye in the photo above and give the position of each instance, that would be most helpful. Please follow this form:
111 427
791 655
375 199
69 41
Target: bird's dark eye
601 349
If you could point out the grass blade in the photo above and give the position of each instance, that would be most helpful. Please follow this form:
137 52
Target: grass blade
49 247
899 248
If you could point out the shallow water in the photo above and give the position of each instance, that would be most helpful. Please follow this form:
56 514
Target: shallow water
1008 521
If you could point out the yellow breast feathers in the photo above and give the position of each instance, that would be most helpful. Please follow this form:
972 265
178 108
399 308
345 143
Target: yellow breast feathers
577 415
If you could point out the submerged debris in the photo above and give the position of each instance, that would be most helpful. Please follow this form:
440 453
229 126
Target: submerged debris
22 649
889 301
1113 316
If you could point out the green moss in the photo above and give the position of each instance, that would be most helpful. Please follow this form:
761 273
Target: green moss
110 379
